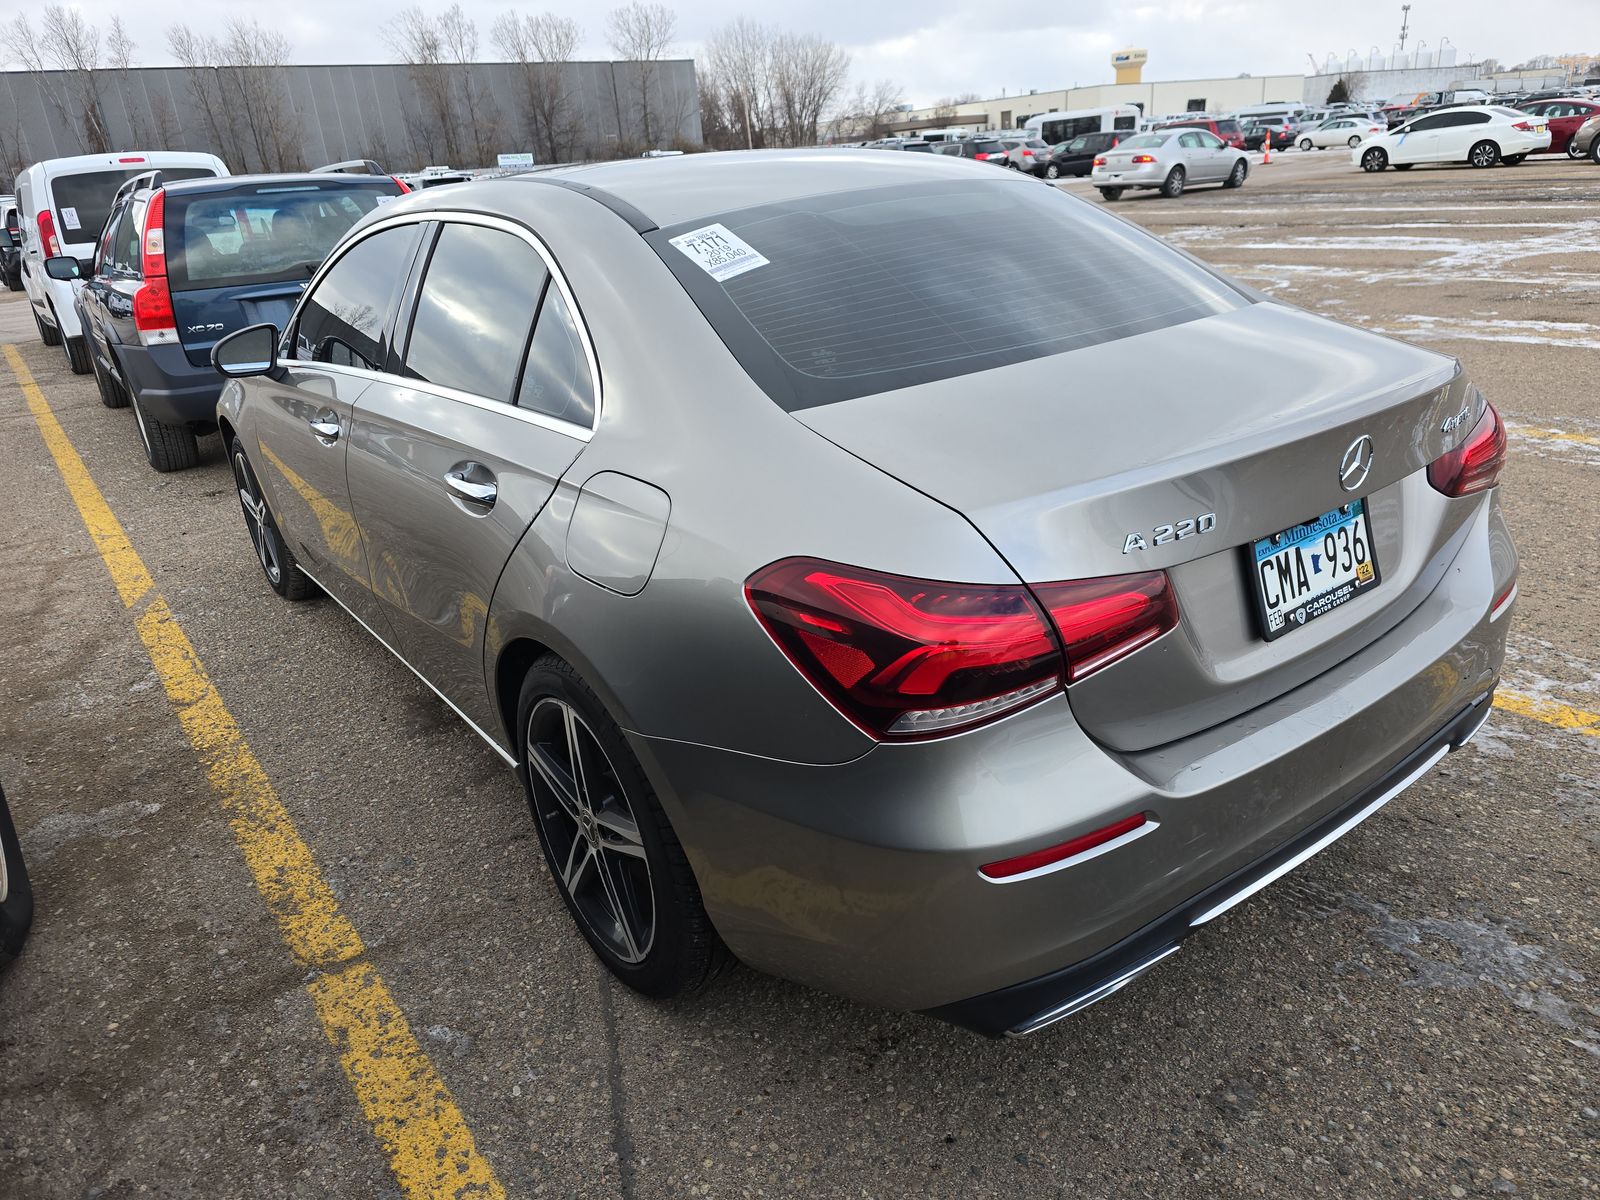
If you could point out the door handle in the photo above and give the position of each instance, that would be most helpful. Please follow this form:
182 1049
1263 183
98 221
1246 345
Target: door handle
328 431
471 491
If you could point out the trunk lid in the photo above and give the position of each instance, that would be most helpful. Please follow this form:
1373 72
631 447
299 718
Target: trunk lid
206 315
1246 415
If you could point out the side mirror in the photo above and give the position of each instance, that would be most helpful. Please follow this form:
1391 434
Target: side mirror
63 266
8 240
252 351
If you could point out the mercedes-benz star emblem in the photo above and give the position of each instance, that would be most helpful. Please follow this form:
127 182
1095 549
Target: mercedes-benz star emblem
1355 464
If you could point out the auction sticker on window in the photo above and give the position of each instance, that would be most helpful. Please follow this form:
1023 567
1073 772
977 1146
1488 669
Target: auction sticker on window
69 217
719 252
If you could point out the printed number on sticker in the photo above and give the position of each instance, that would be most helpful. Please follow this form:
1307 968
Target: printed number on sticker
719 252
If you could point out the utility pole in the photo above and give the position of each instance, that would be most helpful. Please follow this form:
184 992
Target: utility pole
1405 25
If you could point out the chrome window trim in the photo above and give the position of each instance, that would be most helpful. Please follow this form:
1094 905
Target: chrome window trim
463 217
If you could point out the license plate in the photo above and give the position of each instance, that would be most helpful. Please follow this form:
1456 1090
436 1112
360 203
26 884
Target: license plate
1310 569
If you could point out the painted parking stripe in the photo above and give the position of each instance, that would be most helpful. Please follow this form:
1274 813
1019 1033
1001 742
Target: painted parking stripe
1551 712
429 1147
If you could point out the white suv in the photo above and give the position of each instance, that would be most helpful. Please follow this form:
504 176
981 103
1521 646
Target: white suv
62 205
1480 134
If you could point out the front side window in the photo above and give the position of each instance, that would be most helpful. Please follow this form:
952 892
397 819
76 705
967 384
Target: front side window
1209 141
103 253
474 311
343 320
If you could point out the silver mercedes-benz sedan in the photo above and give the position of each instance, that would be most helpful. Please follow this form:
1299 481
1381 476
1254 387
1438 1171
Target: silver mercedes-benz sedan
1170 160
768 515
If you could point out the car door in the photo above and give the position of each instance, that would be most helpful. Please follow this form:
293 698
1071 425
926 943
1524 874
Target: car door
1459 133
1417 141
122 276
1334 133
492 397
302 421
1215 155
92 295
1196 162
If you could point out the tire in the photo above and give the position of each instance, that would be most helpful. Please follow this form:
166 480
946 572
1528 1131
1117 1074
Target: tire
1404 166
1305 143
50 335
1354 141
1111 195
168 447
1236 176
77 355
112 393
615 860
14 283
16 908
1594 151
1512 160
1172 186
278 562
1374 160
1052 172
1483 154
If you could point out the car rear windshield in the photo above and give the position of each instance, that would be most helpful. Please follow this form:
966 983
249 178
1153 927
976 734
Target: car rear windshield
836 296
1145 141
83 201
263 233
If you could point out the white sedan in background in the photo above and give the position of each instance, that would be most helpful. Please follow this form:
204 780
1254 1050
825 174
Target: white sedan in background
1340 131
1479 134
1169 159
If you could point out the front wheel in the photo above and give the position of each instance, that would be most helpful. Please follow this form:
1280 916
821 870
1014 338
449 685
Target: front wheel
278 562
1172 186
1484 154
1236 176
616 861
16 893
1594 150
77 349
112 393
1572 149
1111 195
1404 166
1305 143
50 335
1512 160
1374 160
1052 172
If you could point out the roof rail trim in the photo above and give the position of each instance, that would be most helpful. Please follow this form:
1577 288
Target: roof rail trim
630 214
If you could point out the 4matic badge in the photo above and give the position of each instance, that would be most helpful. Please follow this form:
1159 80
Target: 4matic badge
1176 532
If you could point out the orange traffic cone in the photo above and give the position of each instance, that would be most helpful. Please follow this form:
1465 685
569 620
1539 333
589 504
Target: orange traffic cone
1266 149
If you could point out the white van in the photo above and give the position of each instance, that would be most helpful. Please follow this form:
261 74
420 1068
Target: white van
63 204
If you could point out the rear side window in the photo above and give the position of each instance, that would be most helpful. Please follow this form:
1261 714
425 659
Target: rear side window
262 234
83 201
343 319
1124 123
835 308
556 380
474 312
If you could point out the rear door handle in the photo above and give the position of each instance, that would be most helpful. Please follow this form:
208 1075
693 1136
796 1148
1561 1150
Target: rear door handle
470 490
328 431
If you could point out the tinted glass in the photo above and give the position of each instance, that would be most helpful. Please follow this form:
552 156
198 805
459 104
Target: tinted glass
1227 127
126 252
1190 141
264 233
1144 141
104 254
1471 118
342 321
1076 146
1422 124
474 311
1124 122
1209 141
556 380
89 196
839 309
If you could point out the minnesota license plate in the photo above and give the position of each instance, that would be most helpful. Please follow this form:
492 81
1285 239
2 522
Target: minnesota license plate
1312 568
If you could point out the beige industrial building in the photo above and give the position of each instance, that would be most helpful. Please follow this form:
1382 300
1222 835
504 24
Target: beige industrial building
1155 98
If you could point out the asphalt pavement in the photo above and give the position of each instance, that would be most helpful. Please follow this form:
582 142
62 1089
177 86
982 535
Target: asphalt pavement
1412 1013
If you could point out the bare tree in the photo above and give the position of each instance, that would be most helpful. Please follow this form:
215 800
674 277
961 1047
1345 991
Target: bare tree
414 36
643 34
869 112
737 67
236 83
766 87
542 44
808 74
458 36
68 44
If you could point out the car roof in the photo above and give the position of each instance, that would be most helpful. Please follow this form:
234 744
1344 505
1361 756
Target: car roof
149 160
225 183
669 191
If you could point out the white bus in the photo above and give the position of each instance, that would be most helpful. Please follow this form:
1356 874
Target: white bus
1054 127
949 134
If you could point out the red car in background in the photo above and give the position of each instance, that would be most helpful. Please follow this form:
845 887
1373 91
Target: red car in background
1228 130
1564 117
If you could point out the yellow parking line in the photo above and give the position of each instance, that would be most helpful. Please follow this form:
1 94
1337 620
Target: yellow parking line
1552 435
1551 712
429 1147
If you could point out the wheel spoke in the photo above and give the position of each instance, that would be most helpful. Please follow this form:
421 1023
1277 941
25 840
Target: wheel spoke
579 857
619 833
614 903
575 757
549 770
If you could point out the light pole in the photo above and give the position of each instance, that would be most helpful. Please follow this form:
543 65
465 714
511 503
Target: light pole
1405 24
1443 42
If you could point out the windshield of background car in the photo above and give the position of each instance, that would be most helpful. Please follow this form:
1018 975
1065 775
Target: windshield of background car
820 303
83 201
262 233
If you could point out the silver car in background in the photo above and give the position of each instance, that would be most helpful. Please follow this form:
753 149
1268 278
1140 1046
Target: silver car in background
1170 160
823 626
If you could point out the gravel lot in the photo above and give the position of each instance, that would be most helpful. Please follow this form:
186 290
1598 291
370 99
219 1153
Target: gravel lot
1413 1013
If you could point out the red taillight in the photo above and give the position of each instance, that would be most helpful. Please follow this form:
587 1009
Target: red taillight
1027 154
401 184
908 658
1009 868
155 237
1524 126
1144 158
1474 465
1100 162
152 310
1101 620
47 234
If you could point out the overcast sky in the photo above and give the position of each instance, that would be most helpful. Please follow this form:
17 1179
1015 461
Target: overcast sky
936 48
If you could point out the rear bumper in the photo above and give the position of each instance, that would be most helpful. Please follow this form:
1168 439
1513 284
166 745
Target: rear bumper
1025 1008
170 388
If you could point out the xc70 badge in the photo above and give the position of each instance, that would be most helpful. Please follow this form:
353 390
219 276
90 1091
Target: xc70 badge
1176 532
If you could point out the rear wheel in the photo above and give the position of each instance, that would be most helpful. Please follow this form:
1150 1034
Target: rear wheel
615 859
1404 166
112 393
50 335
1354 141
1484 154
14 282
1111 195
168 447
77 349
1374 160
1052 172
1594 150
1172 187
277 560
16 894
1236 176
